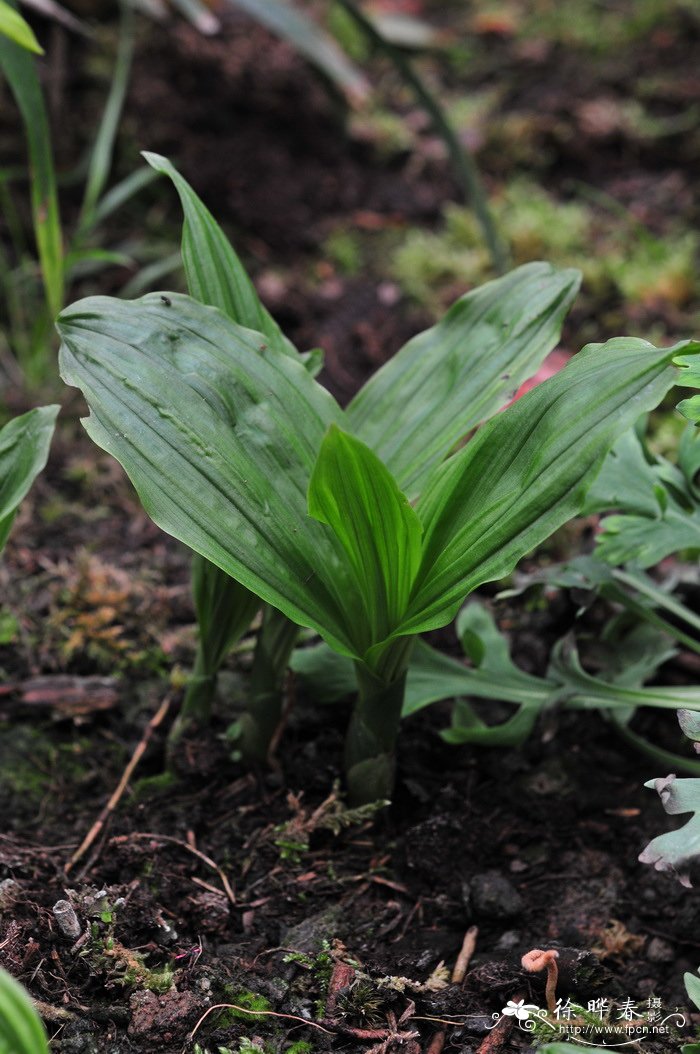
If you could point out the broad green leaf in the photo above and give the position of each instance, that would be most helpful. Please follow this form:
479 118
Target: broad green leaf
215 274
676 850
24 449
689 720
206 421
692 987
19 68
657 511
287 21
326 676
689 460
224 611
12 25
21 1030
571 1048
450 378
526 472
689 378
353 492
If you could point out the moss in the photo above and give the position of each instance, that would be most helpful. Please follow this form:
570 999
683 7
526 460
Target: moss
251 1004
618 256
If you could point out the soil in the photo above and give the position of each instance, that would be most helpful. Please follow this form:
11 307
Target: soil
228 886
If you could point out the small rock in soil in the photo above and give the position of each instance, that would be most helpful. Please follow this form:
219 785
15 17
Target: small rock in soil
165 1015
493 896
660 951
308 936
507 941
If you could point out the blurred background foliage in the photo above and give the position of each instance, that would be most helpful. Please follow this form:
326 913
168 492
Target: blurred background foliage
571 126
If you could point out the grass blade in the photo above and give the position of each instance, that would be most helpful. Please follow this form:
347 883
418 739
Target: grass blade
103 150
20 69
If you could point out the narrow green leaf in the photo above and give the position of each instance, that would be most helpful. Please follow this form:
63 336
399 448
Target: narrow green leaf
215 274
24 449
292 25
205 420
450 378
527 471
20 69
353 492
103 149
12 25
21 1030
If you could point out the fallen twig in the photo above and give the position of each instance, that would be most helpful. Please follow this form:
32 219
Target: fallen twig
111 805
458 974
228 889
496 1039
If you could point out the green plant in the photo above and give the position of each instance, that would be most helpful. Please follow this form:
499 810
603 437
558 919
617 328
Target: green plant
676 850
21 1030
12 25
31 309
24 448
237 451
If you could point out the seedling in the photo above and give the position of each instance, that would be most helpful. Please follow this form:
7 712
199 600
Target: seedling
365 525
24 449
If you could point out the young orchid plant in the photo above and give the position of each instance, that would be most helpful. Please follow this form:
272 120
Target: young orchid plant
24 449
369 525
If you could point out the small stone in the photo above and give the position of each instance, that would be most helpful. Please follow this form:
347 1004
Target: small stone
493 896
660 951
66 919
9 893
507 941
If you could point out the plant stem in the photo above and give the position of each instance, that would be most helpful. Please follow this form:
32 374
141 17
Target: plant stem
256 727
371 737
462 161
197 703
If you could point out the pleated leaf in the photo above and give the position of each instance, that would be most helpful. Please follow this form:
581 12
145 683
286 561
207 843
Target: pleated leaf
24 448
215 274
219 433
224 610
526 472
455 375
352 491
